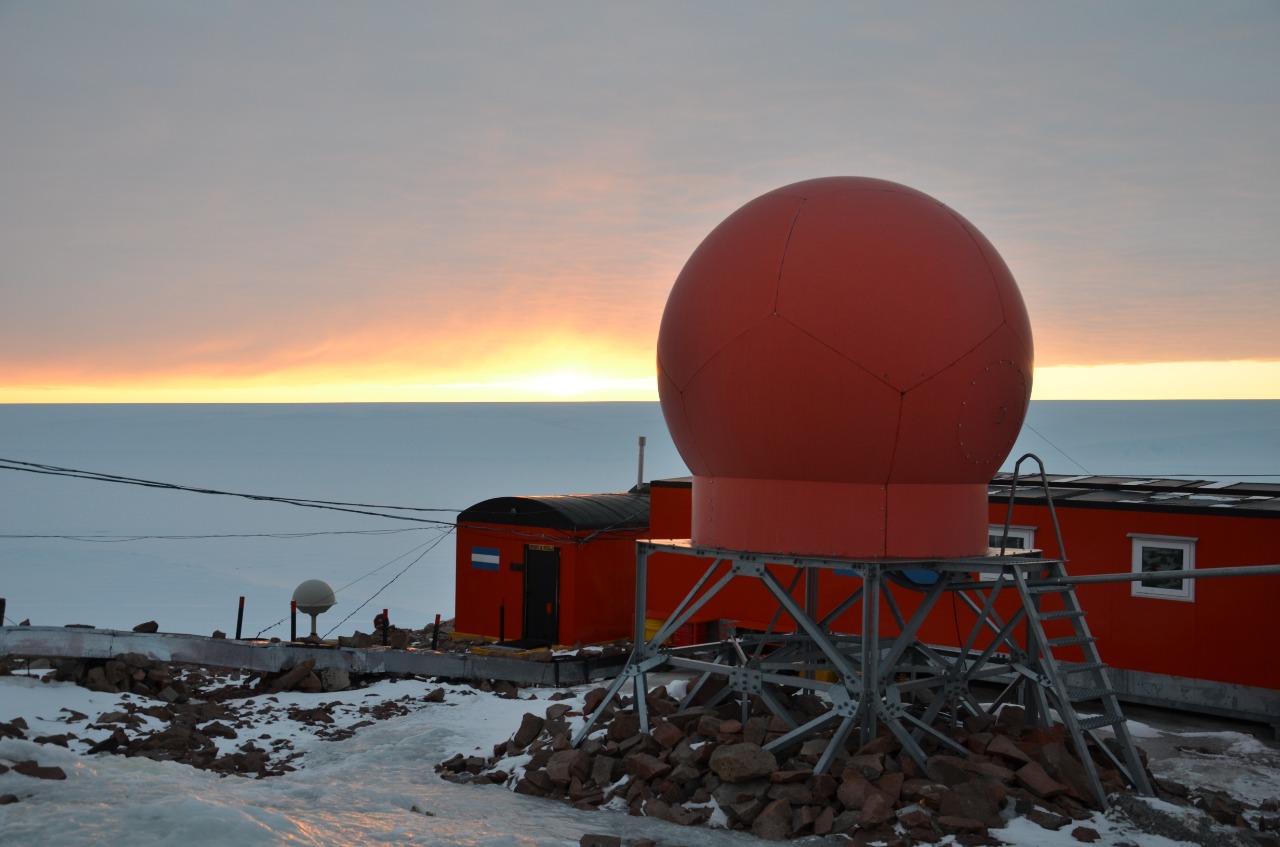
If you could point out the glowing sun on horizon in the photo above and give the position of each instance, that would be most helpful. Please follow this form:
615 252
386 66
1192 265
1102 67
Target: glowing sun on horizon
565 383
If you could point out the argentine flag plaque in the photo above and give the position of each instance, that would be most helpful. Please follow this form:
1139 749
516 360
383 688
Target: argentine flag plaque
484 558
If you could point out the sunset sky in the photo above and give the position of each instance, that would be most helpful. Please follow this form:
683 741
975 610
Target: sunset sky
323 201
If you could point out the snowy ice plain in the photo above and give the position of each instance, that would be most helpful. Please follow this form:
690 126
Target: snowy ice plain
379 787
363 790
75 551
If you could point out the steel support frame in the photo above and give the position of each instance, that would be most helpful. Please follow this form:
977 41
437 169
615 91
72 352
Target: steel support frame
894 681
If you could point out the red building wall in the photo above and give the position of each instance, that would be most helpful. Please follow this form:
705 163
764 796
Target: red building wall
1221 635
1225 634
596 586
482 591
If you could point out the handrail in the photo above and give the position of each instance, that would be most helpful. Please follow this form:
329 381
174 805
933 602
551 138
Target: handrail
1048 498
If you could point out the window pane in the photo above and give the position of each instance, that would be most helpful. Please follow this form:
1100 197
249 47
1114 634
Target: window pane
1160 560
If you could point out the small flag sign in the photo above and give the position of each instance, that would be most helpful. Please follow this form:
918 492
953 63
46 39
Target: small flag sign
484 558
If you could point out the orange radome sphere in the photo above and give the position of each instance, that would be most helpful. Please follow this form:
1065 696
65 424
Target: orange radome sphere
843 364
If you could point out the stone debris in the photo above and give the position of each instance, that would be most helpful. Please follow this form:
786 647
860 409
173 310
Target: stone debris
704 766
199 707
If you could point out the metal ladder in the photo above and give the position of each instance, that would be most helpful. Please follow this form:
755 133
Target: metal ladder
1057 629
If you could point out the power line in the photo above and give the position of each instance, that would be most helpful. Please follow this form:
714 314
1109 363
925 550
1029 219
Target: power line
363 508
336 505
107 538
429 545
388 583
1055 446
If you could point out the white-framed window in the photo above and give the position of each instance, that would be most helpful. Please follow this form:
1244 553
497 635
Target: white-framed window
1163 556
1018 538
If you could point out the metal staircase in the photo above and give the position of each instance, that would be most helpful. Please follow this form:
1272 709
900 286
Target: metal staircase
1061 657
1070 677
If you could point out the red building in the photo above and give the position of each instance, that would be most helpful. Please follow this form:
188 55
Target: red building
1203 644
549 570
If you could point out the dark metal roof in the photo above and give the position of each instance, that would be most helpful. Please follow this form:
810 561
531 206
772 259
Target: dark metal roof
1197 496
569 512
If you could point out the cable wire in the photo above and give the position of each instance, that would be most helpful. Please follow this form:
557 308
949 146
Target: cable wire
106 538
419 557
339 506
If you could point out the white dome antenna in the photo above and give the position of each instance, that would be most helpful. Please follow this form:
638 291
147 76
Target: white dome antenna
314 597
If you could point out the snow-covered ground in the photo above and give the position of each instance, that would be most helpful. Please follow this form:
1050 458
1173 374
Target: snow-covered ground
379 786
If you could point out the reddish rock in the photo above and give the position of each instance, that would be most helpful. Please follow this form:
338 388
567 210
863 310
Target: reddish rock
1002 745
148 626
854 790
684 773
876 811
36 771
795 793
961 826
823 786
822 823
790 776
592 700
217 729
1047 820
870 765
667 734
891 785
530 726
624 725
289 679
646 767
1063 766
774 822
974 800
687 720
803 818
881 744
742 762
563 766
708 725
812 750
978 723
1012 719
926 793
742 801
96 680
756 729
947 770
580 794
605 770
556 711
914 816
991 772
1086 834
1036 780
662 810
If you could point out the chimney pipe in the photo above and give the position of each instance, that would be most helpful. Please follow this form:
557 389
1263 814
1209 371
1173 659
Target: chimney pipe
640 469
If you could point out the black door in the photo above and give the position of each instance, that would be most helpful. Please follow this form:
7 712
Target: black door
541 593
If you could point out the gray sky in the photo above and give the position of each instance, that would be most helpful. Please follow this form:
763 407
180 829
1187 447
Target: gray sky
430 192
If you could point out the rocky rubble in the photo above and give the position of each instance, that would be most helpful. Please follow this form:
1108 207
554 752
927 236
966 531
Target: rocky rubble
180 713
706 766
